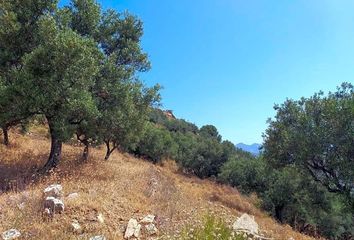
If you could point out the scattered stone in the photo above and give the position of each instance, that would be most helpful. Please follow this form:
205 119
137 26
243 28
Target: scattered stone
47 213
246 223
151 229
133 229
54 190
100 237
100 218
54 205
11 234
21 206
148 219
76 227
72 196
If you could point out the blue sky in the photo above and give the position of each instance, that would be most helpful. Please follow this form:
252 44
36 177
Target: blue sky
226 62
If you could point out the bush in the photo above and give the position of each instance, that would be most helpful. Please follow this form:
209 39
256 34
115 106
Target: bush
248 175
201 156
212 229
156 144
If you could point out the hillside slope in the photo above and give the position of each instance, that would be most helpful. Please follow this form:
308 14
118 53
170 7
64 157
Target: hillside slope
119 189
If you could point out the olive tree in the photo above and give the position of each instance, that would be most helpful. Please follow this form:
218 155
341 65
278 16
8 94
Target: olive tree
316 134
18 36
56 80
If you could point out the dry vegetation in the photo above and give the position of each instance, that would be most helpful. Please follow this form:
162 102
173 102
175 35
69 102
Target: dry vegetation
121 188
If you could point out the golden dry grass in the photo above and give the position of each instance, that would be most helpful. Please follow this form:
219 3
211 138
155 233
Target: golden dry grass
119 189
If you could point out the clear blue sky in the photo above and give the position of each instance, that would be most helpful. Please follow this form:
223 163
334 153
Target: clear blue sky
226 62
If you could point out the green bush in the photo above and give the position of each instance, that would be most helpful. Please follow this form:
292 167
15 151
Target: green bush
248 175
156 144
198 155
212 229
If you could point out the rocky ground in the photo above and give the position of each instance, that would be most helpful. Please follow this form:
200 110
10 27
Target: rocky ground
112 198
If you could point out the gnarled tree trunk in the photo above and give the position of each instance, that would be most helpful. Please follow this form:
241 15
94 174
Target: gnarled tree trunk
81 138
5 131
55 150
109 150
279 213
85 154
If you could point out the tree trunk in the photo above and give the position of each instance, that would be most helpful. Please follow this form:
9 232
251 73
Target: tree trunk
279 213
85 154
55 151
5 131
109 150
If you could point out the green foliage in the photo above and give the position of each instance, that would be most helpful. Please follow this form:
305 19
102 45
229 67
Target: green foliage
156 144
210 131
212 229
316 134
309 147
18 36
85 17
201 156
157 116
76 66
247 174
67 64
291 197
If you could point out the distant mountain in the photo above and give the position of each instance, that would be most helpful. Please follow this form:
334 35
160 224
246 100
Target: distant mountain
254 148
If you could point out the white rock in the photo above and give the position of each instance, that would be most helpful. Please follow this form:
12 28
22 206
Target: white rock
21 206
100 218
54 205
11 234
54 190
133 229
148 219
100 237
246 223
151 229
72 196
47 212
76 227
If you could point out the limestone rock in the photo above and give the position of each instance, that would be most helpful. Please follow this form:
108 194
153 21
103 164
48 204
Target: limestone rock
11 234
21 206
100 218
55 190
246 223
100 237
72 196
54 205
76 227
133 229
151 229
148 219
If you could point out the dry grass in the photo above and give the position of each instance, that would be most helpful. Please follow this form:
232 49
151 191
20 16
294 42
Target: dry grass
121 188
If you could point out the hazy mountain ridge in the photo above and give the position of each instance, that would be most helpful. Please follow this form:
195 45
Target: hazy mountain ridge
253 148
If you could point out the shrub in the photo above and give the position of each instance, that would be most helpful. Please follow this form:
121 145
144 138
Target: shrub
248 175
212 229
198 155
156 144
